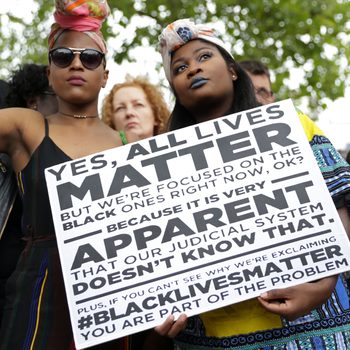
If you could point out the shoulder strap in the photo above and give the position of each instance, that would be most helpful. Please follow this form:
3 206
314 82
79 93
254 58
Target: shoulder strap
35 176
46 127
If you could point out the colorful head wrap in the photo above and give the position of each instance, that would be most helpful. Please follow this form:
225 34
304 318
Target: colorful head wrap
179 33
82 16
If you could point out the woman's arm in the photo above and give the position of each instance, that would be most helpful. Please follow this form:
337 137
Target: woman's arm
9 128
20 132
297 301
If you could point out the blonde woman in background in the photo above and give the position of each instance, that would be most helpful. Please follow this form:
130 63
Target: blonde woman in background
137 106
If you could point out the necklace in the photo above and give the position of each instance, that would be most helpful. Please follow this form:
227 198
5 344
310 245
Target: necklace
79 116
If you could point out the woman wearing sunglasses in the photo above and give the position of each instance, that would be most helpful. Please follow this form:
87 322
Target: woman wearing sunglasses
36 313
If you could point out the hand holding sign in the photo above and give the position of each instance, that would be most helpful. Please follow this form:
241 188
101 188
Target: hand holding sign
287 302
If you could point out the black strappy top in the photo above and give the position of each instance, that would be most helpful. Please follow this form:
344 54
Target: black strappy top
37 218
37 222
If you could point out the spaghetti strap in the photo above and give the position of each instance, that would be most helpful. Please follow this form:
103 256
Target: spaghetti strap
46 127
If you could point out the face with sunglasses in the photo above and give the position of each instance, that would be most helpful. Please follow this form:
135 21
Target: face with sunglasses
76 67
62 57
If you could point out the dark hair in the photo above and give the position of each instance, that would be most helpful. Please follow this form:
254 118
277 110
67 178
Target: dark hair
4 87
244 97
29 81
255 67
348 157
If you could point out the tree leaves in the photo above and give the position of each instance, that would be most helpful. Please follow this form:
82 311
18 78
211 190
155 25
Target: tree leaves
304 43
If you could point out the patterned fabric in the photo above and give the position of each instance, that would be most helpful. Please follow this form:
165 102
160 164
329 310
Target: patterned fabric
247 326
85 8
335 169
179 33
80 15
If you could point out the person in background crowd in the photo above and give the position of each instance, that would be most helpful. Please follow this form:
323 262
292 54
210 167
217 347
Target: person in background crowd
4 87
260 76
29 88
208 83
136 105
348 157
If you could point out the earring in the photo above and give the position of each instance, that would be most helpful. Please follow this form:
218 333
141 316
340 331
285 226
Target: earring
234 77
34 106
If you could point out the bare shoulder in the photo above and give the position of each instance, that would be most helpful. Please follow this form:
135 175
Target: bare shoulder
111 134
20 128
14 119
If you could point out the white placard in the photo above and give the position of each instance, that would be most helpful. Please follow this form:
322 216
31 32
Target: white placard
192 220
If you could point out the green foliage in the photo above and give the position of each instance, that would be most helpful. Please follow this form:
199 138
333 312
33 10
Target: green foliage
290 36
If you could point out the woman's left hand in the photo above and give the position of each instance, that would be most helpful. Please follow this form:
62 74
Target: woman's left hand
297 301
171 328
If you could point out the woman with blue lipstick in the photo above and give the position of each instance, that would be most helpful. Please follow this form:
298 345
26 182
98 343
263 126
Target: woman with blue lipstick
208 84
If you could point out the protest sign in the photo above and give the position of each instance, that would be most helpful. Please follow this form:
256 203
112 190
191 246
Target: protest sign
192 220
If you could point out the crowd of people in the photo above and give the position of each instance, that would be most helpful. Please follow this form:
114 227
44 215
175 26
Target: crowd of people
50 115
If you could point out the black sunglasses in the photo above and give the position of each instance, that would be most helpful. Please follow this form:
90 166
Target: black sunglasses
63 56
